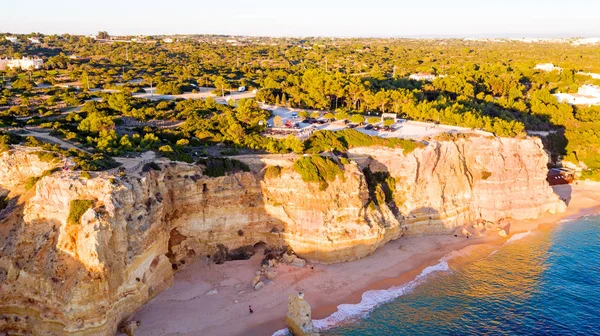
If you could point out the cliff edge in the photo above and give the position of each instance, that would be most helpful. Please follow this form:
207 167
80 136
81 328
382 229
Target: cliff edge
79 255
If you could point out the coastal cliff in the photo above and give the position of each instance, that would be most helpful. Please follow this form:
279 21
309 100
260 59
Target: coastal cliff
79 255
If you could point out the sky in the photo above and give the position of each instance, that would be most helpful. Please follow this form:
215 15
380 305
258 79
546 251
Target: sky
340 18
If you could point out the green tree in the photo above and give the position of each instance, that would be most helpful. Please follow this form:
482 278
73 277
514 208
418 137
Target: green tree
357 118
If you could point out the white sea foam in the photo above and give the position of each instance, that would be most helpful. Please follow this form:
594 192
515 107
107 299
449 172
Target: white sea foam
518 236
370 300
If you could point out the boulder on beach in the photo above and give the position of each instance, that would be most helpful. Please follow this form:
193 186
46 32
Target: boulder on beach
259 285
287 258
270 274
298 262
299 316
130 327
212 292
255 280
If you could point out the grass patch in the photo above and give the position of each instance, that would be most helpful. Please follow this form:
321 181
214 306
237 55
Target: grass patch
32 181
316 168
76 210
85 175
272 172
216 167
46 156
322 141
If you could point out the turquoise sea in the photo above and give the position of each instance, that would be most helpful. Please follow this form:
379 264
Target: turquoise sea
545 282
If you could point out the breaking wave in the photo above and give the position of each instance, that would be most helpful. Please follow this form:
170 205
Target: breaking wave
371 299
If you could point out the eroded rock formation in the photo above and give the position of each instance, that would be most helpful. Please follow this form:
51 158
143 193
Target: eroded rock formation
61 277
299 316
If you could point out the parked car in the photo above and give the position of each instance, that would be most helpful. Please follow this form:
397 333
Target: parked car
368 127
352 126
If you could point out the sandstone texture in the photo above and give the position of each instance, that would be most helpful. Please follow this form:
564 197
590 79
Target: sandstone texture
299 317
85 278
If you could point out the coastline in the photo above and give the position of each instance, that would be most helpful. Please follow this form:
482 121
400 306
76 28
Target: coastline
185 309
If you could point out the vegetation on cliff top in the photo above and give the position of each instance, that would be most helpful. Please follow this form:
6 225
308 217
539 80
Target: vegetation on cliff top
272 172
32 181
322 141
216 167
77 209
316 168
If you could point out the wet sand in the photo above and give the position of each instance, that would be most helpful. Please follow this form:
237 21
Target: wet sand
185 309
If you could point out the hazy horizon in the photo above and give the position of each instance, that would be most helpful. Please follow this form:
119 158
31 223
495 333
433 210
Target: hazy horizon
312 18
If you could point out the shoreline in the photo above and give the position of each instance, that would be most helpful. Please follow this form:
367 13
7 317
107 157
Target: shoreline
184 309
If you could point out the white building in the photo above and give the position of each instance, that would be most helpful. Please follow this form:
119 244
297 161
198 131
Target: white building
422 76
34 40
168 40
586 95
547 67
23 63
589 40
12 39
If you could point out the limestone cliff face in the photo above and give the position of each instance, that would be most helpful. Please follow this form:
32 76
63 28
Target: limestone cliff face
435 190
59 278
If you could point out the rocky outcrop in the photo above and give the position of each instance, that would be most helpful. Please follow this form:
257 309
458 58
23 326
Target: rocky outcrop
61 277
299 317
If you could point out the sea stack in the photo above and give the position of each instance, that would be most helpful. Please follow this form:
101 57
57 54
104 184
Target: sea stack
299 317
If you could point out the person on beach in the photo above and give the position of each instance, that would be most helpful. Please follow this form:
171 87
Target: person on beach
250 309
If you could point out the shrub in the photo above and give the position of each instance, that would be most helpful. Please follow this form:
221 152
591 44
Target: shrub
272 172
46 156
77 209
7 139
316 168
216 167
31 182
485 175
322 141
85 175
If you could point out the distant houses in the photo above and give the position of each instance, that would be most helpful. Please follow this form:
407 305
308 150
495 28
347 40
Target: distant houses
422 76
23 63
12 39
586 95
168 40
547 67
591 74
34 40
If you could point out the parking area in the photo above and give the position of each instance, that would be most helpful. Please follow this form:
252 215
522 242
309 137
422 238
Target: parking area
407 129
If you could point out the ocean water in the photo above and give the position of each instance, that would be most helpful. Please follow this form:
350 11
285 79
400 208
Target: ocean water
545 282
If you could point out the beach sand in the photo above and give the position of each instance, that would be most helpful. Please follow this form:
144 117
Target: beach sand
185 309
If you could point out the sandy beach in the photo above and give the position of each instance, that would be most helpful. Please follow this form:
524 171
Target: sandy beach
186 309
